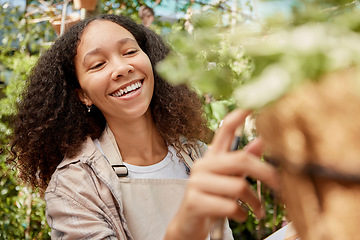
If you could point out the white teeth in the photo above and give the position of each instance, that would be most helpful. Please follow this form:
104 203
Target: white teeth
129 88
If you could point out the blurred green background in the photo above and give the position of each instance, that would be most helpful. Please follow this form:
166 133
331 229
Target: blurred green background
209 39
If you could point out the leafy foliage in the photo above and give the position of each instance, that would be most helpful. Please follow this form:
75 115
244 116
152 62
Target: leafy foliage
121 7
205 59
22 211
295 54
252 67
18 34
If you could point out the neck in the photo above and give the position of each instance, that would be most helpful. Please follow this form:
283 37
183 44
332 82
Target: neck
139 142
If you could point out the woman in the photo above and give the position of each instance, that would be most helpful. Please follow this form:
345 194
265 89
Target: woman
96 118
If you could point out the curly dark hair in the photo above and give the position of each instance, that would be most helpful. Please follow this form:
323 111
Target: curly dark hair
52 122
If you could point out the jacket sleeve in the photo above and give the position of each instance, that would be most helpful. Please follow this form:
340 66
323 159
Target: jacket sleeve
80 206
68 219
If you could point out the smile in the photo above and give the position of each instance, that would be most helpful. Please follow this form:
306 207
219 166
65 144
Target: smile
126 90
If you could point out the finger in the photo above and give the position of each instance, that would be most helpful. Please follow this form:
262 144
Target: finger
231 187
240 215
240 163
255 147
225 135
227 186
209 205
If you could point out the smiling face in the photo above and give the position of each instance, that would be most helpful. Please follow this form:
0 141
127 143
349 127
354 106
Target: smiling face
114 73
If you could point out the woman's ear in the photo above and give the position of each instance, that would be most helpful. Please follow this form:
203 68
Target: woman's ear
83 97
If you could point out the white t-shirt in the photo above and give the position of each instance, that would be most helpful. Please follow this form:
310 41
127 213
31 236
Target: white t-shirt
170 167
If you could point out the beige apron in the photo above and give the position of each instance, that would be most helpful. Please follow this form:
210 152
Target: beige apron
149 203
155 202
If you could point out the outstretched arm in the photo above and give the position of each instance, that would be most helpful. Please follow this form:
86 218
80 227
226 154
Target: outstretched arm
218 180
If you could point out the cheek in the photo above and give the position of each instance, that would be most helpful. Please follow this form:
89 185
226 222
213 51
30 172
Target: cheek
147 66
94 85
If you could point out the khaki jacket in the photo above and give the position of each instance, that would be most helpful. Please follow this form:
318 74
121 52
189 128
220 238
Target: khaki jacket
83 198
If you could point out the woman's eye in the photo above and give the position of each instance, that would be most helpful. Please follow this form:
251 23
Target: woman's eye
97 65
131 52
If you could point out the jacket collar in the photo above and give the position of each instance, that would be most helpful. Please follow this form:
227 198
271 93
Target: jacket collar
88 151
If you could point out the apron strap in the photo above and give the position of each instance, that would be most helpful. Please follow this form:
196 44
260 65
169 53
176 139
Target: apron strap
187 159
120 170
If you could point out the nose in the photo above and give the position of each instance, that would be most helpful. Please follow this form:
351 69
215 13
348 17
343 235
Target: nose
121 68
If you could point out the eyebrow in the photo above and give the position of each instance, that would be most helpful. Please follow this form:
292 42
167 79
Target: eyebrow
97 50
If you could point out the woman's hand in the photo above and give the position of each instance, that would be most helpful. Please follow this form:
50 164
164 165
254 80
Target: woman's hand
217 181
